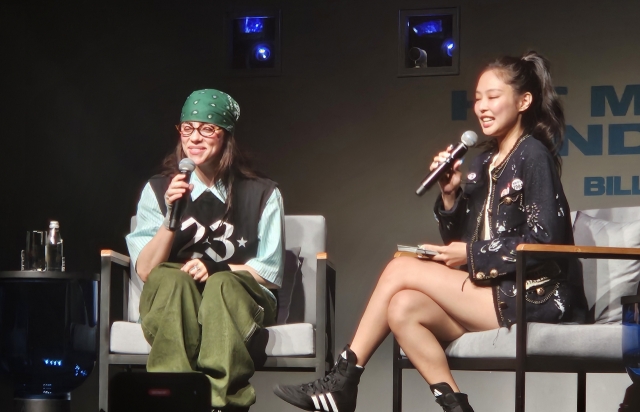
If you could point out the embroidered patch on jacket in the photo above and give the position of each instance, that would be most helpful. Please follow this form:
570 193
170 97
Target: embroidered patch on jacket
495 245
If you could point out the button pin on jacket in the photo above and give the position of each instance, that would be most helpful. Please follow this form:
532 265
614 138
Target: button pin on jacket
516 184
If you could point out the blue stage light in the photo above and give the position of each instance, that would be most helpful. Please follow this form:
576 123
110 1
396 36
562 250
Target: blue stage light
253 24
52 362
262 52
448 47
428 27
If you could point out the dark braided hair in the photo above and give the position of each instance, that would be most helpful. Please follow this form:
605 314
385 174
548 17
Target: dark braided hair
544 119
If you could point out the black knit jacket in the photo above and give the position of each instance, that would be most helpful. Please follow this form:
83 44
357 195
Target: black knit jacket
527 204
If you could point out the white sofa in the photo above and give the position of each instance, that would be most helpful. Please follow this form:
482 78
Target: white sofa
580 349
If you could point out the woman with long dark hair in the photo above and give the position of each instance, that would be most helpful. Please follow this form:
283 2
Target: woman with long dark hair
207 282
512 195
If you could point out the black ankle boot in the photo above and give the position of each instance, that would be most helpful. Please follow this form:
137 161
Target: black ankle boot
336 392
449 400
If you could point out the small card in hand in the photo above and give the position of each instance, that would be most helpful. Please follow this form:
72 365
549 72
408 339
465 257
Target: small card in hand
421 253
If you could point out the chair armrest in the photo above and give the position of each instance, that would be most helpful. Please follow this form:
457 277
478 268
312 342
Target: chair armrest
546 250
585 252
114 286
325 311
114 294
115 257
325 257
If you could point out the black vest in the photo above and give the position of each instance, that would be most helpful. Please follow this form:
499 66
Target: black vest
203 234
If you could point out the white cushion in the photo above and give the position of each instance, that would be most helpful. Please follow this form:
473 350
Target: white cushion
607 280
127 337
284 340
296 339
543 339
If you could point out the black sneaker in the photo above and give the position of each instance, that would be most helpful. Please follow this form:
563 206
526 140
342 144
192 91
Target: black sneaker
336 392
449 400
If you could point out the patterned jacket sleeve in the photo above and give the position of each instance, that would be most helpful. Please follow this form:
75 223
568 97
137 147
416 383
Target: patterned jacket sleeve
451 222
538 216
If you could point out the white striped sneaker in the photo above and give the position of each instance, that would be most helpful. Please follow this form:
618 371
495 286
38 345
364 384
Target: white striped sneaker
336 392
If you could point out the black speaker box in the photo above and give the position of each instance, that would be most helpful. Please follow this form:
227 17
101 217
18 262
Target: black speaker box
159 392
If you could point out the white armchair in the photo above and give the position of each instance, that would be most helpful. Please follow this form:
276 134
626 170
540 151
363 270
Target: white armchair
302 341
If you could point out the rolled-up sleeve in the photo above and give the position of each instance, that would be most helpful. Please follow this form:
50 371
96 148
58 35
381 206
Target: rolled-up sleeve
269 260
148 220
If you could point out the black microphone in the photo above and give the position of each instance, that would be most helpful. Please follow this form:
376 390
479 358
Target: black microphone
469 139
186 166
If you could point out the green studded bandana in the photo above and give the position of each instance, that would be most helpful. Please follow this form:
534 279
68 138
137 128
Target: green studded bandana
211 106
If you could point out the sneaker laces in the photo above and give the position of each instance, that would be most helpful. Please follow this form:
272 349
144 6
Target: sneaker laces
327 383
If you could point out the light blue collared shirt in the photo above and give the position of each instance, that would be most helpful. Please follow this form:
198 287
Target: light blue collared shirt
269 260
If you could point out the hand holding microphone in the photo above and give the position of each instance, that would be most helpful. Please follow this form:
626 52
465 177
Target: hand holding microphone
447 161
449 181
176 197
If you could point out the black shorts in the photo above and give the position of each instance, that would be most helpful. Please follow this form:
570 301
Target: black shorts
553 302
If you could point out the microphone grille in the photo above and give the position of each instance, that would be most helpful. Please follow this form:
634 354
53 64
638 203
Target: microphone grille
186 165
469 138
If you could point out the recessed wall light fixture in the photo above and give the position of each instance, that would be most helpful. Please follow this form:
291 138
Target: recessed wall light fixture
429 42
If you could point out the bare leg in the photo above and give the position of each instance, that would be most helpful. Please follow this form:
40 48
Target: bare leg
423 349
419 324
471 308
423 302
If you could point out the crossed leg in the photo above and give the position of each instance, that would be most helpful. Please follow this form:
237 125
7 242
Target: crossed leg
423 303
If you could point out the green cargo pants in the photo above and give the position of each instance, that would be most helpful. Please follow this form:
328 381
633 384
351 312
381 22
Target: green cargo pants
205 327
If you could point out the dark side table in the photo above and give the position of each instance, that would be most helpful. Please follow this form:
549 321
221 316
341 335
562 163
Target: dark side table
48 335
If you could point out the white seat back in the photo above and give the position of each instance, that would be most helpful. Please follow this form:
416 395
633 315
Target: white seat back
306 232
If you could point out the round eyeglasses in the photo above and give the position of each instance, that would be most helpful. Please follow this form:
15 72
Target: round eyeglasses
205 129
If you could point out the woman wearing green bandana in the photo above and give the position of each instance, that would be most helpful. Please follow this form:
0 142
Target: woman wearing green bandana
206 290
